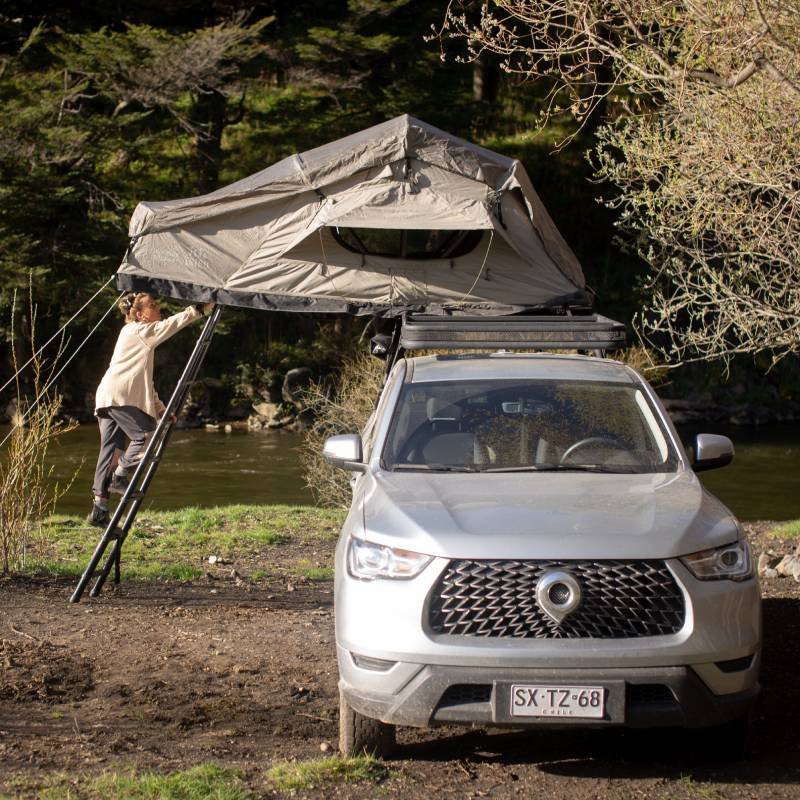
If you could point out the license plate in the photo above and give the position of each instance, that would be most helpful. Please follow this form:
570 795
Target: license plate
557 701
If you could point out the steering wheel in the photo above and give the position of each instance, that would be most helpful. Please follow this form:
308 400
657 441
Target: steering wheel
592 441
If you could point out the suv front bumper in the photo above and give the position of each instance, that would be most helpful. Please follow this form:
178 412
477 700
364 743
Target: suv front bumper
642 697
689 679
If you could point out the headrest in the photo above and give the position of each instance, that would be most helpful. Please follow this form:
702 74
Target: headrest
440 410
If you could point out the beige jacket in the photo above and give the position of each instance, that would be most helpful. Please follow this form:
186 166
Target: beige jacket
129 378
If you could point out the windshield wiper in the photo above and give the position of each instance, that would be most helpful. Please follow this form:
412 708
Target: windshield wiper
620 470
599 468
433 468
514 469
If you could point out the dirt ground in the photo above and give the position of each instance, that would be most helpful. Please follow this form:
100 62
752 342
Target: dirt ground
163 676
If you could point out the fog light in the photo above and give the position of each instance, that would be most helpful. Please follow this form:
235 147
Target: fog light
370 663
735 664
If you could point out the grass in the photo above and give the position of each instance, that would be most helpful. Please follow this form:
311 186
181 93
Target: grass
291 776
176 545
305 569
203 782
690 788
143 572
789 530
209 781
317 573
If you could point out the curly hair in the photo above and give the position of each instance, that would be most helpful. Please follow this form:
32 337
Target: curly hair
130 303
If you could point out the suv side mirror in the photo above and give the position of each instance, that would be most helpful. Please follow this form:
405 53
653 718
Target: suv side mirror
712 451
344 452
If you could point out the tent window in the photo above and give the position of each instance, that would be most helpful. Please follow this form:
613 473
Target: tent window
418 245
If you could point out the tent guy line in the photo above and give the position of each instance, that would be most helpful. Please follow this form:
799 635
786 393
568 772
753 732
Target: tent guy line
480 271
59 373
56 334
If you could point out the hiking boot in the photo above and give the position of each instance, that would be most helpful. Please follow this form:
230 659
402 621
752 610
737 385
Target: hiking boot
98 516
119 484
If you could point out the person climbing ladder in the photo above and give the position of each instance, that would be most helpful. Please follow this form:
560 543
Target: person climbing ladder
126 403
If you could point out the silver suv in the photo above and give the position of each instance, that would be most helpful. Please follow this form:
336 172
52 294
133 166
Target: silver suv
529 546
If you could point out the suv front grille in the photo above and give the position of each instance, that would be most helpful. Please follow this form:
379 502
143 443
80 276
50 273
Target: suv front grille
620 599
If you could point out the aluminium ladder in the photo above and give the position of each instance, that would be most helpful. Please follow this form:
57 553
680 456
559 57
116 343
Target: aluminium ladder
146 469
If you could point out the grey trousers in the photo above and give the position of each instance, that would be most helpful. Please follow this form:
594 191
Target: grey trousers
122 424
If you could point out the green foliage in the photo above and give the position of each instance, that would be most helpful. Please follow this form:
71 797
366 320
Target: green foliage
292 776
203 782
789 530
320 348
315 573
249 379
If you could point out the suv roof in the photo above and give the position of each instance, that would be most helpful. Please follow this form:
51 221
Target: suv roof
502 365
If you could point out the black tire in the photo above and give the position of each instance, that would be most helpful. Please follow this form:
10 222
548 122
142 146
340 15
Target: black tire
360 735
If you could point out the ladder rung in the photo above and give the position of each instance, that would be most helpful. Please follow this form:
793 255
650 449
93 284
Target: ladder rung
112 536
95 575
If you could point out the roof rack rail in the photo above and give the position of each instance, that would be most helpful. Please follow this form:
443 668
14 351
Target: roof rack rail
519 332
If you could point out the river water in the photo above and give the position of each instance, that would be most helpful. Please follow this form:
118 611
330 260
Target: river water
209 468
200 468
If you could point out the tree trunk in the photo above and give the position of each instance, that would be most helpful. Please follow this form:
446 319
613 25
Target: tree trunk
485 79
208 115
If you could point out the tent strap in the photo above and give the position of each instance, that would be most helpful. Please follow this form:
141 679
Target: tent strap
324 254
480 271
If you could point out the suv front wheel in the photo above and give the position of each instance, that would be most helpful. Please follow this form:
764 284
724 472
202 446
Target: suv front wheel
359 735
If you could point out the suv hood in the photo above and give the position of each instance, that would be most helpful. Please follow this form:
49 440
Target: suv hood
543 515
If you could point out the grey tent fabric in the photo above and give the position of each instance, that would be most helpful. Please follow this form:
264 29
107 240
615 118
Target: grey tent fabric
271 240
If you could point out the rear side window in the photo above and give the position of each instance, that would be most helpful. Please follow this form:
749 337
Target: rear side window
418 245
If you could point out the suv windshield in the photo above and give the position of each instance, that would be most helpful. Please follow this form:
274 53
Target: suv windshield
526 425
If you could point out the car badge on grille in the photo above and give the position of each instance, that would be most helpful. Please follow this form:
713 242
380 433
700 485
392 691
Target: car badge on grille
558 595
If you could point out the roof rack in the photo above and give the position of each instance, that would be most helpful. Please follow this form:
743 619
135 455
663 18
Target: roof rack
523 332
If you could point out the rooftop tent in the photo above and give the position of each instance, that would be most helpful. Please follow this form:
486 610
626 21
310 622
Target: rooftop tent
398 217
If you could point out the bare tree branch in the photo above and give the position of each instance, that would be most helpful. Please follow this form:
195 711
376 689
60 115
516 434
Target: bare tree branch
704 152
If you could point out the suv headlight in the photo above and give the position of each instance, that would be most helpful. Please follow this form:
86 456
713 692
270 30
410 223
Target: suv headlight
368 561
731 562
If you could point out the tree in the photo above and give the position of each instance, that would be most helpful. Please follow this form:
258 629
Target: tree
195 77
703 147
93 121
100 112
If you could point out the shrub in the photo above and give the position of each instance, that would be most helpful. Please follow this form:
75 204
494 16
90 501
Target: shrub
645 361
27 492
341 406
